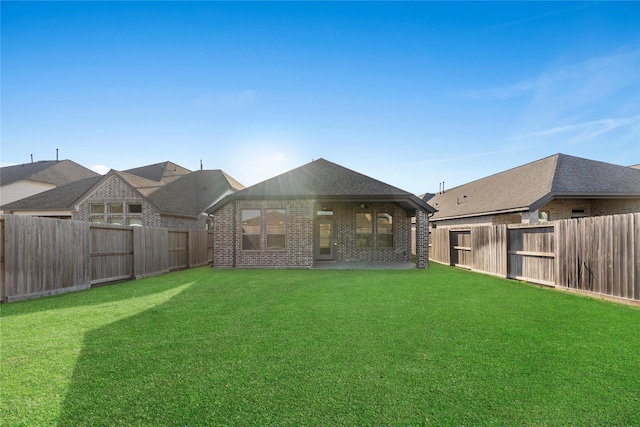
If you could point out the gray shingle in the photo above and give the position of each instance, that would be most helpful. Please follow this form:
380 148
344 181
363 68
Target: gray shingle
63 197
174 193
47 171
323 179
524 187
161 172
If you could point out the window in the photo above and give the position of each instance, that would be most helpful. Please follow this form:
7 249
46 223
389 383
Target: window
97 209
115 208
251 220
134 208
364 230
276 228
97 219
378 233
116 220
134 221
384 230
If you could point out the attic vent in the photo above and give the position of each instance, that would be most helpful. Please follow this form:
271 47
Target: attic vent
578 213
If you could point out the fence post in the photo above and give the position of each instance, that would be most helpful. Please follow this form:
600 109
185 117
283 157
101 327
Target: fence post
2 278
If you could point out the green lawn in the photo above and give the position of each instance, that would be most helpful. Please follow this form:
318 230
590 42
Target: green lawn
322 348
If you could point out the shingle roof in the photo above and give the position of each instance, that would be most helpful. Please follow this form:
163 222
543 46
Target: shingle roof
60 198
193 193
161 172
529 186
187 194
323 179
48 171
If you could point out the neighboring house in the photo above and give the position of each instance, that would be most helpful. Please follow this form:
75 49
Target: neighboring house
159 195
553 188
20 181
318 213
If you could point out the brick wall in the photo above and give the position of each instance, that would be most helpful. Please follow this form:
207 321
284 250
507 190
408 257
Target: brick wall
562 208
223 237
116 190
615 206
298 252
557 209
345 234
422 240
168 221
299 244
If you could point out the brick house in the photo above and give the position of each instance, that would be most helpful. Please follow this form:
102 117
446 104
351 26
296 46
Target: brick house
158 195
318 213
556 187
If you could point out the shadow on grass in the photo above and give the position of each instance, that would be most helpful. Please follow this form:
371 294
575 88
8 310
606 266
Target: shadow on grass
128 372
102 294
225 353
359 348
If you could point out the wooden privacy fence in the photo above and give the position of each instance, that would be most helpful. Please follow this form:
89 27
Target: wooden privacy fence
596 254
41 256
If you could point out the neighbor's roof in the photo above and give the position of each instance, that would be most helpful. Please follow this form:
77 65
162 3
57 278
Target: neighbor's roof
531 186
187 195
322 179
192 194
47 171
161 172
60 198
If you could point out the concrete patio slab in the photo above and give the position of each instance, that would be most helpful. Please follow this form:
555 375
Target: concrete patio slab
331 265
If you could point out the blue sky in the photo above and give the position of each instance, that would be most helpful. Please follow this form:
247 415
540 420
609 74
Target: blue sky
409 93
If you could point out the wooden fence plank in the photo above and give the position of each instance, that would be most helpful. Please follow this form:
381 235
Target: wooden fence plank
151 254
42 256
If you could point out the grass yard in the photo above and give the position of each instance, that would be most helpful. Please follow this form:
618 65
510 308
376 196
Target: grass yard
319 348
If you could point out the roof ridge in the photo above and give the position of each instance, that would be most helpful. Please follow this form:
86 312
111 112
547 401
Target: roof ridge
556 168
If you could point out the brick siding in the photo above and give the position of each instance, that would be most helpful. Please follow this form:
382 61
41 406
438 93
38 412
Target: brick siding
116 190
422 240
299 241
557 209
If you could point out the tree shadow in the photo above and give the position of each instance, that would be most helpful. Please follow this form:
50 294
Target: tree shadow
153 368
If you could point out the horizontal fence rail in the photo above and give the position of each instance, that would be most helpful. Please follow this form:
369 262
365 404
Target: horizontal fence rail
42 256
599 255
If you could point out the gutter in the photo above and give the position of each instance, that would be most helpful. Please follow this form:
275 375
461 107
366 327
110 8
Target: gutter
514 210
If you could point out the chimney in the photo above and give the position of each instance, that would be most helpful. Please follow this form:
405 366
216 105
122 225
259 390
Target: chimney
32 158
200 164
56 154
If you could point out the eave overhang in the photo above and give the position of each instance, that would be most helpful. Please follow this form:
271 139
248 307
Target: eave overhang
409 203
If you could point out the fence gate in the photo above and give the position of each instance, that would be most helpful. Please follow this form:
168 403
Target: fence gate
532 254
460 249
